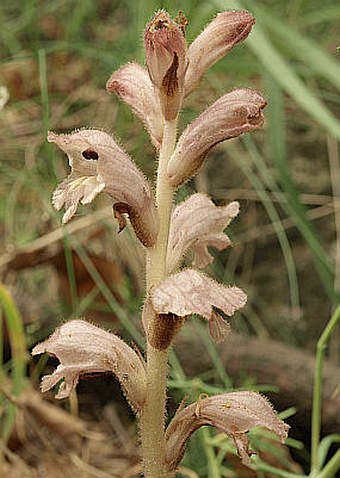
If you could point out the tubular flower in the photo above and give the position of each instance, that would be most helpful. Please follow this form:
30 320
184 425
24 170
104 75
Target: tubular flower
237 112
191 292
165 50
83 348
233 413
133 85
225 31
196 224
99 164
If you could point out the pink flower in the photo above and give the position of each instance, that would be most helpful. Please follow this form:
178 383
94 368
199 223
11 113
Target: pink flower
237 112
225 31
165 50
190 292
233 413
99 164
132 83
83 348
196 224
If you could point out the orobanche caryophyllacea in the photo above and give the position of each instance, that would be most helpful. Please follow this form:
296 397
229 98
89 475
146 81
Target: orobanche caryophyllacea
98 164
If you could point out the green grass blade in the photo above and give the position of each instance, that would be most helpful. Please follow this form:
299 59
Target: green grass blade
213 469
104 289
301 47
19 354
285 76
275 220
71 274
332 467
277 141
326 14
215 358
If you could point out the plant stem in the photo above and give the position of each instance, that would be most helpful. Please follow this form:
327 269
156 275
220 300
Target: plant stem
317 391
332 467
156 257
152 417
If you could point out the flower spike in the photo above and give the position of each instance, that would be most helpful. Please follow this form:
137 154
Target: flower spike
83 348
165 49
196 224
133 85
237 112
233 413
225 31
99 164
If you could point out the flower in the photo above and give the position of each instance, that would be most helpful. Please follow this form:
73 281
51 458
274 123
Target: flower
233 413
165 50
99 164
237 112
191 292
225 31
83 348
132 83
173 70
196 224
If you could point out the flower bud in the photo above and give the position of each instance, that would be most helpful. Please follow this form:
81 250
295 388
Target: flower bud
237 112
225 31
132 83
99 164
190 292
233 413
196 224
165 50
83 348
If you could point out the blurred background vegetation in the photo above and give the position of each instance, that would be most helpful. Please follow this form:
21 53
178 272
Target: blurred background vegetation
56 57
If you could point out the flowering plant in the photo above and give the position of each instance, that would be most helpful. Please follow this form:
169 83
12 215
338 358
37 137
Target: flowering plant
173 294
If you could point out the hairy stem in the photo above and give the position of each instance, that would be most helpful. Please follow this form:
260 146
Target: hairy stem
152 415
